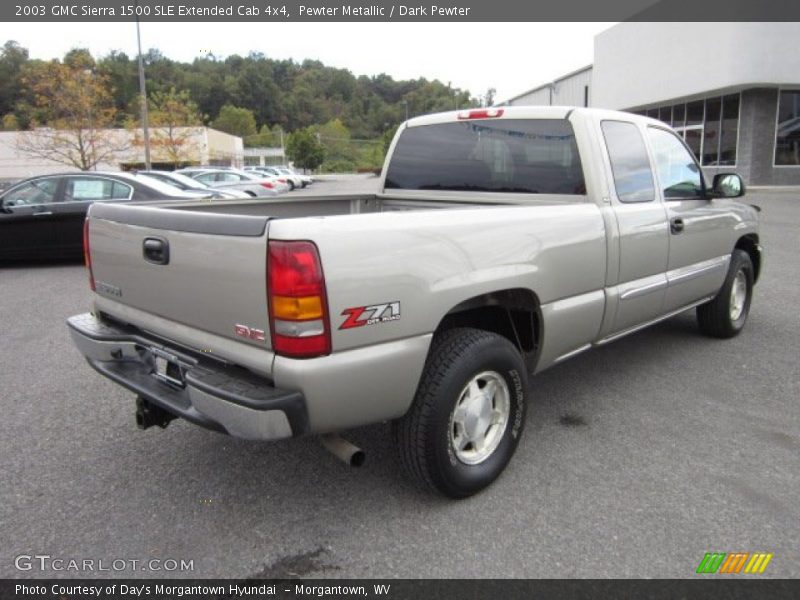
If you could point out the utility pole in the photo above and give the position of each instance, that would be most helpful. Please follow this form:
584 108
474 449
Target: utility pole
143 93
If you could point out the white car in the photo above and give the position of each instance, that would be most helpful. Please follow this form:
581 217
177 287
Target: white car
292 179
238 180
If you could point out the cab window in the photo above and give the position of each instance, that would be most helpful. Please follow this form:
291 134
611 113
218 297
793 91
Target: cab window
630 165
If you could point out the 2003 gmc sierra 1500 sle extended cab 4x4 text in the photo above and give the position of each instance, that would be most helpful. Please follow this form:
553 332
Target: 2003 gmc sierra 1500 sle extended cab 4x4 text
504 241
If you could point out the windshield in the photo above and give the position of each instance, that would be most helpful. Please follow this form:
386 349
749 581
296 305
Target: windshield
532 156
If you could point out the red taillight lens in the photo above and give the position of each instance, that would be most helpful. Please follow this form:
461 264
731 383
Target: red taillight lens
87 253
485 113
267 185
298 302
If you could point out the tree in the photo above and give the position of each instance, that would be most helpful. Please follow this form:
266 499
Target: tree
12 58
172 115
304 149
265 138
235 120
74 110
335 138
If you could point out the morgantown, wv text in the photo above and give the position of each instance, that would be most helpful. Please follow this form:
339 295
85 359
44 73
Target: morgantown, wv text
178 591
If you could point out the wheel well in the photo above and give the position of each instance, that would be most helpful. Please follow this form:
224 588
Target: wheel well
749 243
514 314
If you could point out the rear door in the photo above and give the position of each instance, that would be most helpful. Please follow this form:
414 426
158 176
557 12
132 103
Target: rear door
642 224
699 228
27 220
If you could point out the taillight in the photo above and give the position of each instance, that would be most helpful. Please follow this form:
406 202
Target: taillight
267 185
484 113
298 303
87 253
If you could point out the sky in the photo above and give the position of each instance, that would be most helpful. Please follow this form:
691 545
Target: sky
510 57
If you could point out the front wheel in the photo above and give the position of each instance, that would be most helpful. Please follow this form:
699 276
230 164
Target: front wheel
468 413
726 314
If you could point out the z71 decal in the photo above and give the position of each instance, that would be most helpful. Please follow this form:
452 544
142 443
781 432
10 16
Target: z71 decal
359 316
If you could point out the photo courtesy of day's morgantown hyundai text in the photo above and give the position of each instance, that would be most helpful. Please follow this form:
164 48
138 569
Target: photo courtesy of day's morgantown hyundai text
503 241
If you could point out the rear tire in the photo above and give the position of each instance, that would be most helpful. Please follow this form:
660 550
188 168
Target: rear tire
726 314
468 413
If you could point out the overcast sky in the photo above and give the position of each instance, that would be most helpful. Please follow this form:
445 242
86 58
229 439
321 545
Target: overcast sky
510 57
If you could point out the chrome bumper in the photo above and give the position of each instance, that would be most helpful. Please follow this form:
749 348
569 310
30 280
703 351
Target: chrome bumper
203 391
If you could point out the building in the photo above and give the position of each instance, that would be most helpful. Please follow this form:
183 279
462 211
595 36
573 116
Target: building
732 90
182 146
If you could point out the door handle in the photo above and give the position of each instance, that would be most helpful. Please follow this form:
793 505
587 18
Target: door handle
156 250
42 213
676 225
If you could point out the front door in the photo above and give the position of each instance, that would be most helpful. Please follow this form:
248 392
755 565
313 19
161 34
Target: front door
699 228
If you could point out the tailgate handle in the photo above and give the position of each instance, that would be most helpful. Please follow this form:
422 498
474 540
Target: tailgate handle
156 250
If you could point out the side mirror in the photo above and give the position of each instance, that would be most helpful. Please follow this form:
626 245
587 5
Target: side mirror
727 185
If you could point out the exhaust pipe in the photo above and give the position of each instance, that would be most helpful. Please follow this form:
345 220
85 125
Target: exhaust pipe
149 414
343 450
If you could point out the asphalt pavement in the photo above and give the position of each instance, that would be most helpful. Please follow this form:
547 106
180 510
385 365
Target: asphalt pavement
637 459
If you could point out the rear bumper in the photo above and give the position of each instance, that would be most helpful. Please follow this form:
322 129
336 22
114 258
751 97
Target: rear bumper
214 395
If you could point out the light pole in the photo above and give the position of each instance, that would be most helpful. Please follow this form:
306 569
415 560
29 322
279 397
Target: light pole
90 73
143 93
405 103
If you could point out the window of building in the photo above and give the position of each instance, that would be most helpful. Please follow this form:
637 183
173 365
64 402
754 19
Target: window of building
678 173
630 165
665 115
679 115
730 130
787 134
711 131
694 113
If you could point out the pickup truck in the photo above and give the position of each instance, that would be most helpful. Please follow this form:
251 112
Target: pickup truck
503 241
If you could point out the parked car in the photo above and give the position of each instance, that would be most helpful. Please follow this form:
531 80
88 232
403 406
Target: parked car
185 183
43 216
306 179
232 179
502 242
284 175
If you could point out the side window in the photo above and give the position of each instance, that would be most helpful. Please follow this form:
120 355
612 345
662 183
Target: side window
630 165
91 189
228 177
677 169
41 191
206 177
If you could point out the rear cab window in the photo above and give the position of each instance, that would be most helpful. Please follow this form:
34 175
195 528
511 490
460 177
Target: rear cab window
528 156
630 165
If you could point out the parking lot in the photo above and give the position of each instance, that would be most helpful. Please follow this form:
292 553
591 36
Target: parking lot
638 458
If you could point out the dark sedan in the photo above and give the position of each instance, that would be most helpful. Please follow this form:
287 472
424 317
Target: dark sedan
43 216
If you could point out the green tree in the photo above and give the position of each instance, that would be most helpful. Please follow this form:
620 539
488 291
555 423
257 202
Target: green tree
236 121
304 149
12 59
266 137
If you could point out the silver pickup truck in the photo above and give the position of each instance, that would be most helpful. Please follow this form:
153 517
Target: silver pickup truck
503 241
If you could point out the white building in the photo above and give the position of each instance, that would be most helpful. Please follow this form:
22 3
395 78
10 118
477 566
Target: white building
198 146
731 89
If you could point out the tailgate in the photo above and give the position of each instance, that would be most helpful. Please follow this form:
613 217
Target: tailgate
205 271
